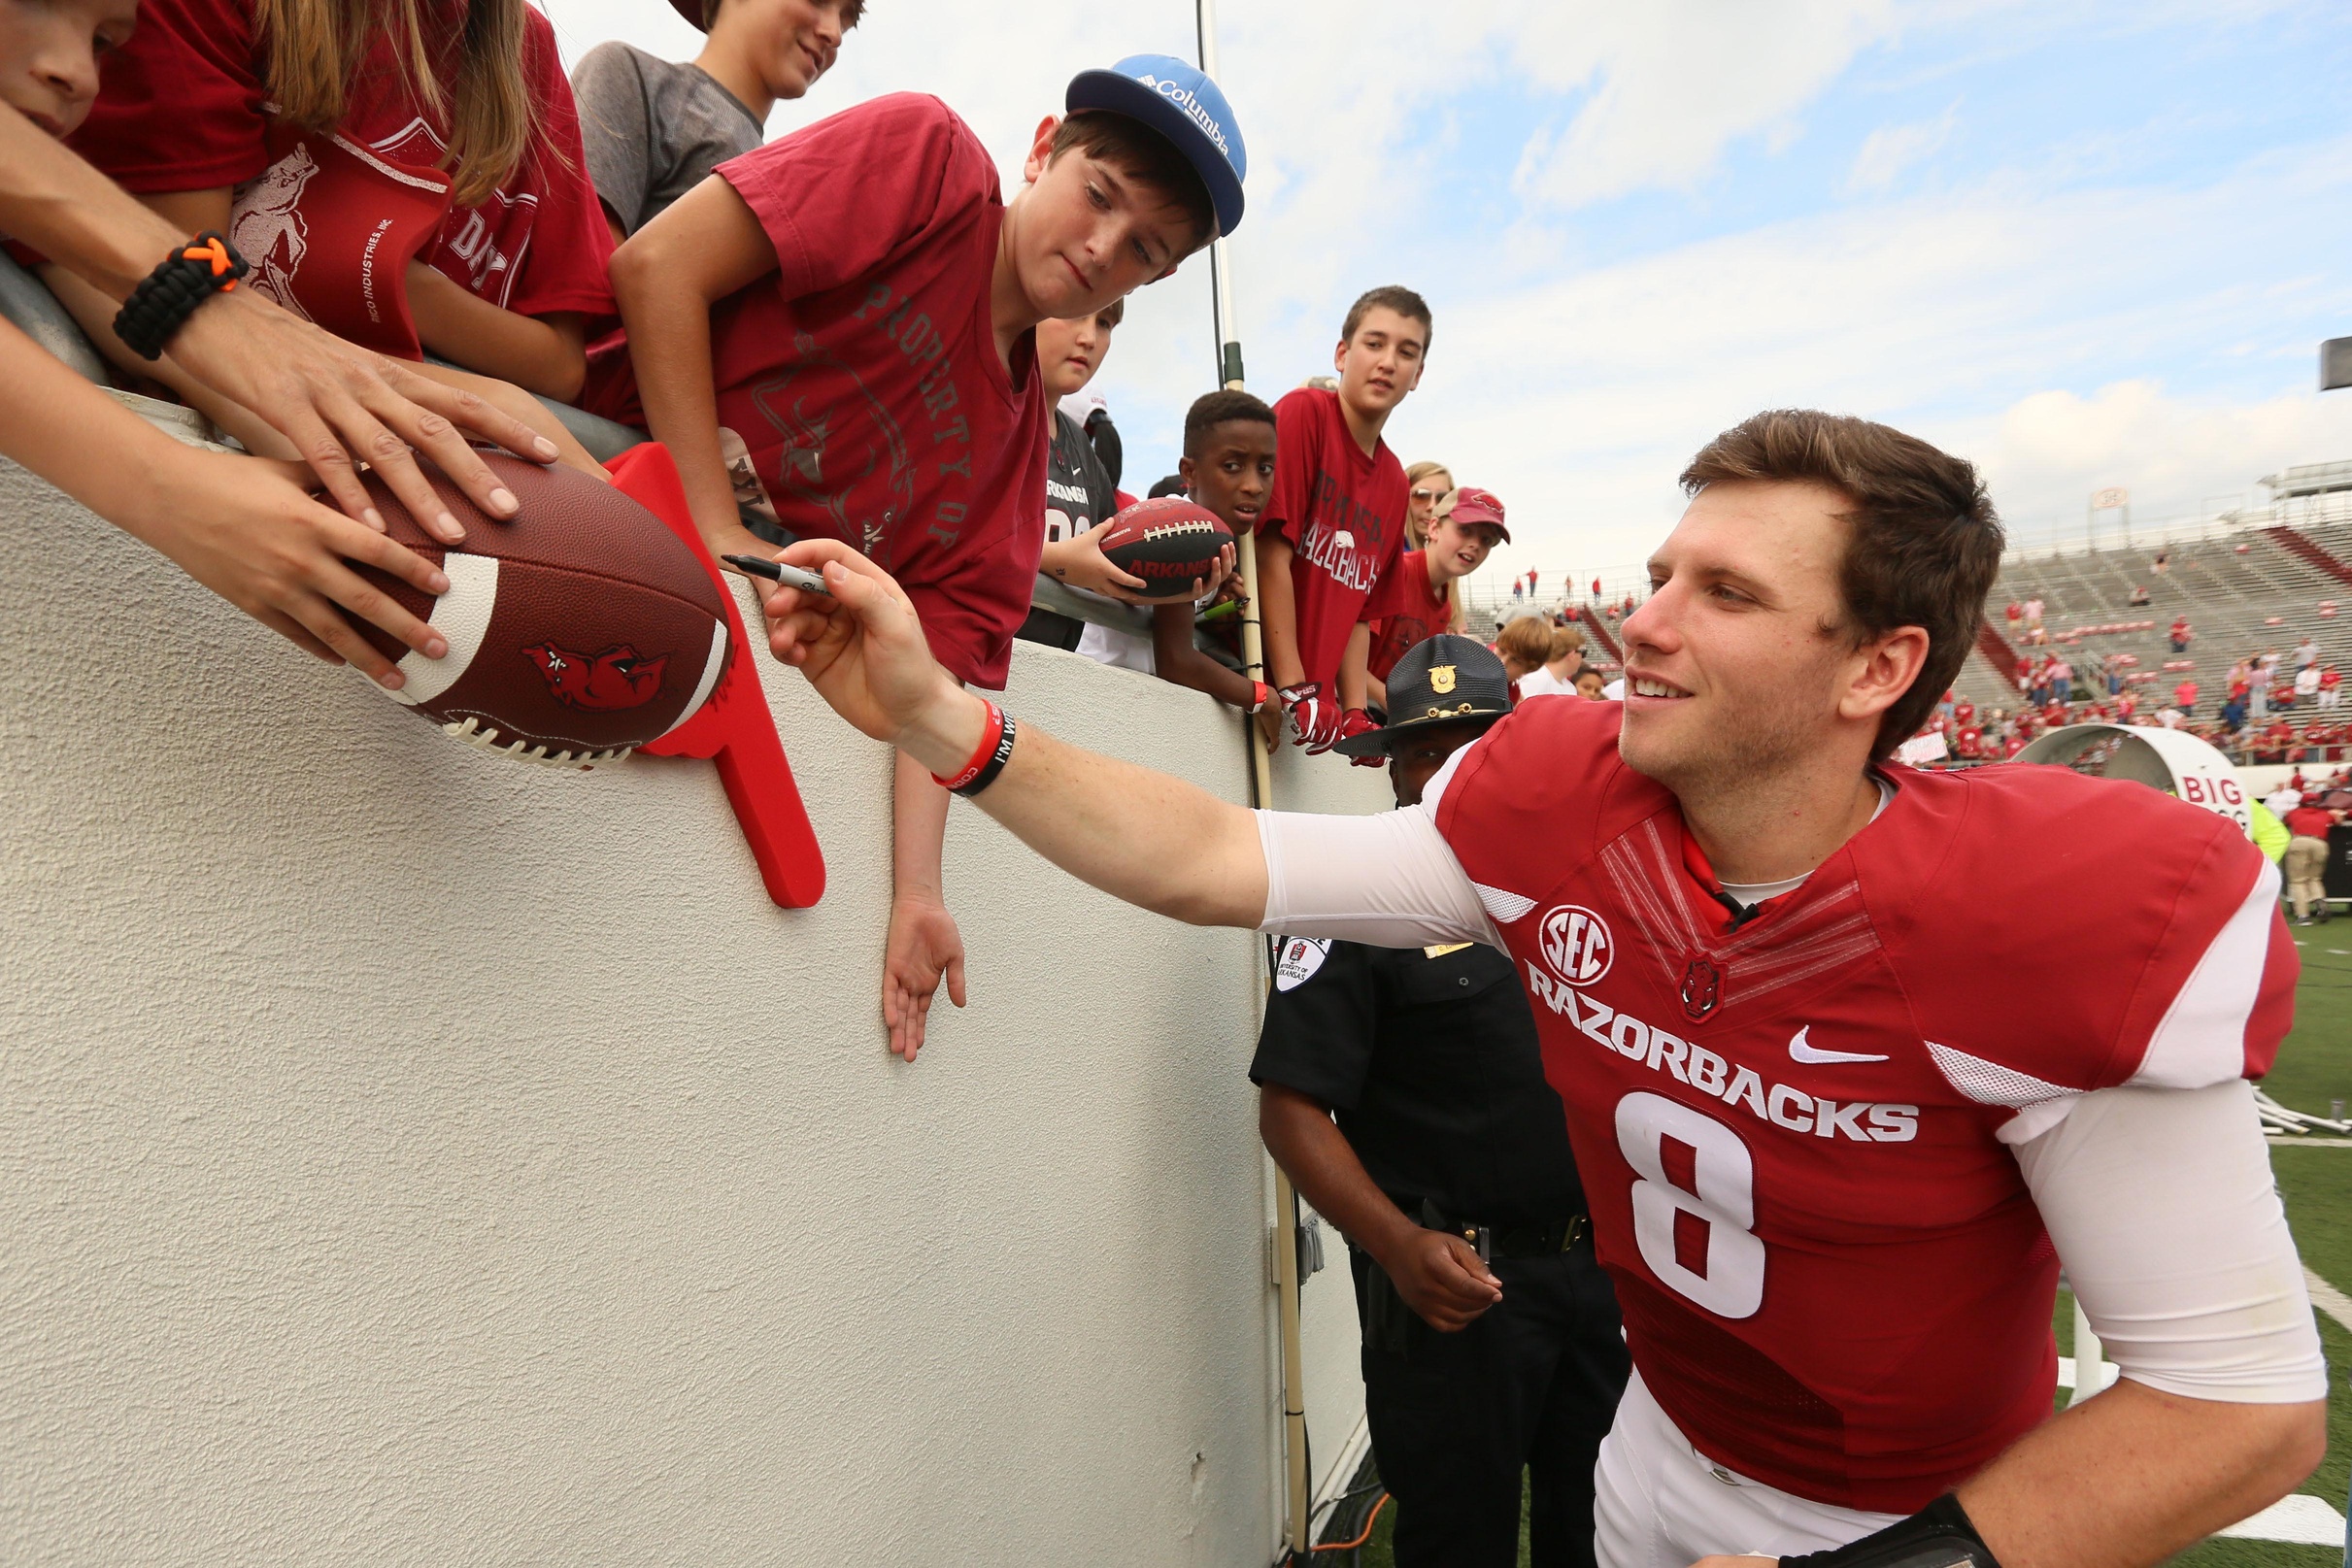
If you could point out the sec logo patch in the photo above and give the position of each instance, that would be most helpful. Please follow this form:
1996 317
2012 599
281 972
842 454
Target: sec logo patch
1301 956
1576 944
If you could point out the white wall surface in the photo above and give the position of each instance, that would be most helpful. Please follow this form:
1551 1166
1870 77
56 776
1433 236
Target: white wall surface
408 1155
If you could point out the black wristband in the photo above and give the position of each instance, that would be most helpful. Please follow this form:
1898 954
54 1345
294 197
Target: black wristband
1938 1536
994 765
168 297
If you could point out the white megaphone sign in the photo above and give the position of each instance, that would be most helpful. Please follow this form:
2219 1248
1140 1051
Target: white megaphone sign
2172 760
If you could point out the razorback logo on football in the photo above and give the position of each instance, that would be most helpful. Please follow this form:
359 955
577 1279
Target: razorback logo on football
600 683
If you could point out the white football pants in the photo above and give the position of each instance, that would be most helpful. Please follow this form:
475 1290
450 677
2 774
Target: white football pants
1660 1503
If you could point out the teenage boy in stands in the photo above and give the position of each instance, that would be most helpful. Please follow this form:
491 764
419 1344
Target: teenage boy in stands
653 130
858 305
1334 529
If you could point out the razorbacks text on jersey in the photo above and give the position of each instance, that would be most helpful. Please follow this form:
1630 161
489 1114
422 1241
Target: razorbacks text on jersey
1794 1136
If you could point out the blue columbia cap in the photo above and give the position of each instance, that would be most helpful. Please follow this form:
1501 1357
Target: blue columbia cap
1184 106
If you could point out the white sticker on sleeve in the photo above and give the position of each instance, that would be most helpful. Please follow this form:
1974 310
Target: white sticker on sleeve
1301 956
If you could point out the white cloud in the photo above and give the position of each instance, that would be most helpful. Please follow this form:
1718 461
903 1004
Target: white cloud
1887 152
1669 85
2178 456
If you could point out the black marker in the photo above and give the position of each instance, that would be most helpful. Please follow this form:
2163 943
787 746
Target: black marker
792 577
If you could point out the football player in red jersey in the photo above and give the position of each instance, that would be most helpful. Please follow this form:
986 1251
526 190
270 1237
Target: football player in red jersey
1833 1187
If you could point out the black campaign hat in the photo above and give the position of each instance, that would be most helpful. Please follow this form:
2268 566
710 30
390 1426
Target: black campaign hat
1442 680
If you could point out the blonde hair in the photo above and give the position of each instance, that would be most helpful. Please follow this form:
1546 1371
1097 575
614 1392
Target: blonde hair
316 47
1415 536
1565 640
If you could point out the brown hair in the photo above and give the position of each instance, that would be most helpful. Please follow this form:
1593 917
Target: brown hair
1925 540
1134 148
1527 639
1113 314
1565 640
1394 297
316 47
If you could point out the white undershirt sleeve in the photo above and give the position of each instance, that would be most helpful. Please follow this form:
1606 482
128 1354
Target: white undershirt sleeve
1389 880
2165 1213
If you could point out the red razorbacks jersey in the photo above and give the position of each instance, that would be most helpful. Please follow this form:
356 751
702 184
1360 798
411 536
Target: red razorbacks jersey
1832 1275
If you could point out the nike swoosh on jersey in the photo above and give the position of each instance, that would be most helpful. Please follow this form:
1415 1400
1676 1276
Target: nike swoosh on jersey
1812 1055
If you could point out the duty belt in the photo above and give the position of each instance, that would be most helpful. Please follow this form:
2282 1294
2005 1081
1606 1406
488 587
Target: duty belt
1511 1240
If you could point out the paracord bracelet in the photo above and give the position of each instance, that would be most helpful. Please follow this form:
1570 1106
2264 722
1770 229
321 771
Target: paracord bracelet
1939 1535
165 298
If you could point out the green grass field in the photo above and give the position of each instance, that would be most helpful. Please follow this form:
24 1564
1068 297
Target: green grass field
2314 1068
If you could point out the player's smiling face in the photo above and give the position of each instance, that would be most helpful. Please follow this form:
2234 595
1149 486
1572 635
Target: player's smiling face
1734 667
1087 231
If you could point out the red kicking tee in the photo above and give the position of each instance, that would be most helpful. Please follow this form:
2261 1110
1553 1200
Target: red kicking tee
1343 515
861 376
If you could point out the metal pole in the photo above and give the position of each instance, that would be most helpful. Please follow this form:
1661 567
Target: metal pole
1229 375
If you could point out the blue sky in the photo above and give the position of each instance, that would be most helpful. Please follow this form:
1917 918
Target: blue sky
2082 244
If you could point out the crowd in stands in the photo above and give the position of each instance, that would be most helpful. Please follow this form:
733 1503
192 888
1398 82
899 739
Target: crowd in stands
2273 707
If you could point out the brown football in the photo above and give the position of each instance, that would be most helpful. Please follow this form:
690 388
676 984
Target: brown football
1169 543
578 630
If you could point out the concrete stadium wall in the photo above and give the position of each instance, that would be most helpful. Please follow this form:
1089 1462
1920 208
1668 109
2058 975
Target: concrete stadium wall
409 1156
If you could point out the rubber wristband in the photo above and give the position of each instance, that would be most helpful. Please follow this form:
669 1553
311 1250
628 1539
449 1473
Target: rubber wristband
165 298
991 730
1259 695
994 765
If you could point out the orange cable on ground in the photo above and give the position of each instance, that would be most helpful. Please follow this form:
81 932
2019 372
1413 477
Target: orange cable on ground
1368 1520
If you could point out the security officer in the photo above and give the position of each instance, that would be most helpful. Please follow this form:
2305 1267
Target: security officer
1490 1336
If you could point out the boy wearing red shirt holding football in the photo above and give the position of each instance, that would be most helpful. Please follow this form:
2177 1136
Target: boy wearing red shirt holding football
1334 529
857 304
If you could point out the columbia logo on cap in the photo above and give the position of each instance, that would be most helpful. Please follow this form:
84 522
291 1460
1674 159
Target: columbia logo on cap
1194 110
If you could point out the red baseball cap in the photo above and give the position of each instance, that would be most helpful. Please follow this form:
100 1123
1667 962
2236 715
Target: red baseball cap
1471 504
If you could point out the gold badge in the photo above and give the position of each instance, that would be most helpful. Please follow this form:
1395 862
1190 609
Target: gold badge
1441 678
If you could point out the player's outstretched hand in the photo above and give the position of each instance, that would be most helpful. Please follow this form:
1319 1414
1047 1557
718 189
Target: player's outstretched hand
1440 1277
861 646
923 949
249 529
337 402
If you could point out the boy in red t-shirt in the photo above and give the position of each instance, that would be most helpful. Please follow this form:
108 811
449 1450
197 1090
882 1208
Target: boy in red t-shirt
1330 538
1461 533
856 305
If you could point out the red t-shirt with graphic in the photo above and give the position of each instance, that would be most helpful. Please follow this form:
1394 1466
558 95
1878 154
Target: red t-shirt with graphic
1423 611
1833 1275
1343 515
862 376
329 221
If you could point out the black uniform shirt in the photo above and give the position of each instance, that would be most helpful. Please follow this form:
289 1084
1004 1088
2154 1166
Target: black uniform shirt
1432 1066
